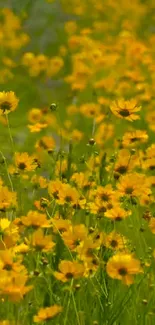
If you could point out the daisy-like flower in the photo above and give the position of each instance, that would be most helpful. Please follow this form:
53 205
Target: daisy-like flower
114 241
125 109
73 237
69 270
134 138
41 242
117 213
8 102
123 266
35 219
9 233
24 162
47 313
8 199
45 143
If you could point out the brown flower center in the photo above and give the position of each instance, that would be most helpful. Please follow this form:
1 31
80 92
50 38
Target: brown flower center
105 197
21 165
124 112
122 169
129 190
6 106
68 198
123 271
69 275
114 243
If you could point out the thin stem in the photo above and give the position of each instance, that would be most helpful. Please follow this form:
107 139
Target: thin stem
9 178
10 135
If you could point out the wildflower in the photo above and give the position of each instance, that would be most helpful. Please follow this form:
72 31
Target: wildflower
114 241
90 109
55 64
149 164
133 185
117 213
69 195
39 181
41 242
125 109
69 270
74 236
60 225
105 194
47 313
13 285
24 162
45 143
35 219
87 249
8 199
35 115
123 266
7 261
9 233
134 138
8 102
55 188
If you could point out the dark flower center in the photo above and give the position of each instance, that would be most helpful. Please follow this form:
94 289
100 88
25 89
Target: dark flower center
68 198
134 139
123 271
113 243
55 194
118 218
105 197
5 106
42 144
129 190
152 167
124 112
21 165
69 275
102 210
77 242
8 267
122 169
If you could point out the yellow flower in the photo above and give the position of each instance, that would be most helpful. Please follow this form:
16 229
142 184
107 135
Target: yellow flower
73 237
41 242
133 184
8 102
125 109
134 138
69 270
47 313
117 213
90 109
8 199
12 285
122 266
45 143
24 162
35 115
7 261
114 241
9 233
35 219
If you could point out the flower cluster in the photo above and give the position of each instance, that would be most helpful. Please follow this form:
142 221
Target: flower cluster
77 169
